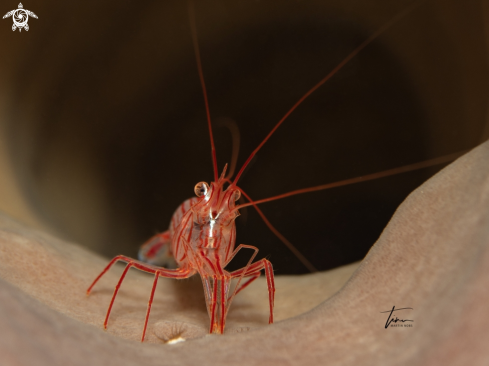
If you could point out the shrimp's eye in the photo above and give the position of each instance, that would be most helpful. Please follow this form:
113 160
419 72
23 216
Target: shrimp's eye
237 194
201 189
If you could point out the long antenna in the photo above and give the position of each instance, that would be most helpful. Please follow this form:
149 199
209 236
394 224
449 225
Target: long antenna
326 78
282 238
364 178
277 233
193 27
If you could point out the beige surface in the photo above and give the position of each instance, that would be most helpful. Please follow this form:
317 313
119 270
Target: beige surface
59 274
433 256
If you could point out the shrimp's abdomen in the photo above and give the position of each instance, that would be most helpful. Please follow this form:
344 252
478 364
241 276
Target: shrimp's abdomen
182 217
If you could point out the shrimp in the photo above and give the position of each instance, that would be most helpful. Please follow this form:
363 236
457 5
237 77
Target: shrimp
202 234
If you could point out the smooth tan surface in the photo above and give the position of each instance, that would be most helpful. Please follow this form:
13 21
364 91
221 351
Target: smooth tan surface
433 256
61 272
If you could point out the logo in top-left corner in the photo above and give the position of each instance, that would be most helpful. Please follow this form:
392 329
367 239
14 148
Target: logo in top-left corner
20 17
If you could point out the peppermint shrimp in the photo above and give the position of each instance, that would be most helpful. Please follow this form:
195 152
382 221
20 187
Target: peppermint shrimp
202 233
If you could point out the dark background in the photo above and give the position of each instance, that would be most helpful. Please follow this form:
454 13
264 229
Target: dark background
106 128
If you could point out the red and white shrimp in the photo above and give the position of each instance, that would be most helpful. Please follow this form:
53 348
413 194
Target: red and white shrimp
201 239
202 233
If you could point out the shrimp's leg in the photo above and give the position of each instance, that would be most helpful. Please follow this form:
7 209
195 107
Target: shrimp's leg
150 302
245 269
250 280
162 273
217 288
254 271
158 271
218 305
238 248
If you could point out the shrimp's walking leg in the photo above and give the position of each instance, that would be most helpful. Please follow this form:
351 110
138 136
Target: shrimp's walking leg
168 273
158 271
254 271
216 288
245 269
111 263
219 305
150 302
250 280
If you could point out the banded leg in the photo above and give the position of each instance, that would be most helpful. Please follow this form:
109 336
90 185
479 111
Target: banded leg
217 283
150 302
220 295
150 269
254 271
231 256
250 280
158 271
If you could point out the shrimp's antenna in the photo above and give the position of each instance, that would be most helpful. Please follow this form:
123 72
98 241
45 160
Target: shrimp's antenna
282 238
232 126
326 78
193 27
277 233
364 178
